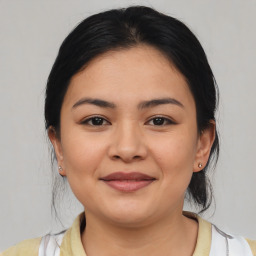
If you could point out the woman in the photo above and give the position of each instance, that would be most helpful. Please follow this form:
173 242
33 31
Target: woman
130 111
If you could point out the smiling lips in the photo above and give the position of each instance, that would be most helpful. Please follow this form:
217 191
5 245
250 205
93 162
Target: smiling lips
127 182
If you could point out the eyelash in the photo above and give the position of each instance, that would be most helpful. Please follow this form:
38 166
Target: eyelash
167 121
86 121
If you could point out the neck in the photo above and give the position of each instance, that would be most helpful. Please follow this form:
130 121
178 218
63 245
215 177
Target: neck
173 235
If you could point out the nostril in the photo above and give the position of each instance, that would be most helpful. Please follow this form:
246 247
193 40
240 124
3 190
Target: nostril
136 157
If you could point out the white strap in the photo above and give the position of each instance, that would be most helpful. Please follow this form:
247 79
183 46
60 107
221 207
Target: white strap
50 245
227 245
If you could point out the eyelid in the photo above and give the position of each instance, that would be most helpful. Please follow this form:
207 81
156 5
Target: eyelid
87 119
169 120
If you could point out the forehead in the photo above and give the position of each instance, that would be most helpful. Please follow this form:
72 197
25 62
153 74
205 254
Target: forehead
138 73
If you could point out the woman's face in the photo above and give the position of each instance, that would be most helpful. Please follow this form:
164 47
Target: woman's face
129 141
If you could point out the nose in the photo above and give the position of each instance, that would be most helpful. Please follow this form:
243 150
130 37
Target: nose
127 144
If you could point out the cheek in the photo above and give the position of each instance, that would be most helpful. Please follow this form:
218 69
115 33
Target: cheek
82 157
175 155
82 154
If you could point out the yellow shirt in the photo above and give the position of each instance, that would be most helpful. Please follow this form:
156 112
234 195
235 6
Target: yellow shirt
72 245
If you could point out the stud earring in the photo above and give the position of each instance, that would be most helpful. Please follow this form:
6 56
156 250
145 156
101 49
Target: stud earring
200 165
60 170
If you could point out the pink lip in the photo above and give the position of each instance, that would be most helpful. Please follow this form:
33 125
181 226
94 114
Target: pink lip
127 182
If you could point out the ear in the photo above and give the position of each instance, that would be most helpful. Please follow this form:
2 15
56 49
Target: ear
55 140
204 146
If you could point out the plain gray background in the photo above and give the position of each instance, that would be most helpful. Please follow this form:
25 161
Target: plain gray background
31 32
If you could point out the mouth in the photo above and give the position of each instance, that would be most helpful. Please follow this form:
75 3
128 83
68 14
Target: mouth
127 182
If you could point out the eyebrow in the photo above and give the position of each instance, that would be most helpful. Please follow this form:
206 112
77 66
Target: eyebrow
156 102
96 102
142 105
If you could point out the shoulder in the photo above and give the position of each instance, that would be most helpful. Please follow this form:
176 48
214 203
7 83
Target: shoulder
28 247
252 245
205 236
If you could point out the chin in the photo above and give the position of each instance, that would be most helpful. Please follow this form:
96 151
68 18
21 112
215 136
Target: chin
129 216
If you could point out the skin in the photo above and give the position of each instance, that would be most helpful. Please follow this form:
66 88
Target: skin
148 221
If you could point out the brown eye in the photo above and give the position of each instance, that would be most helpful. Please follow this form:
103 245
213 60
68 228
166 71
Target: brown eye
95 121
160 121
